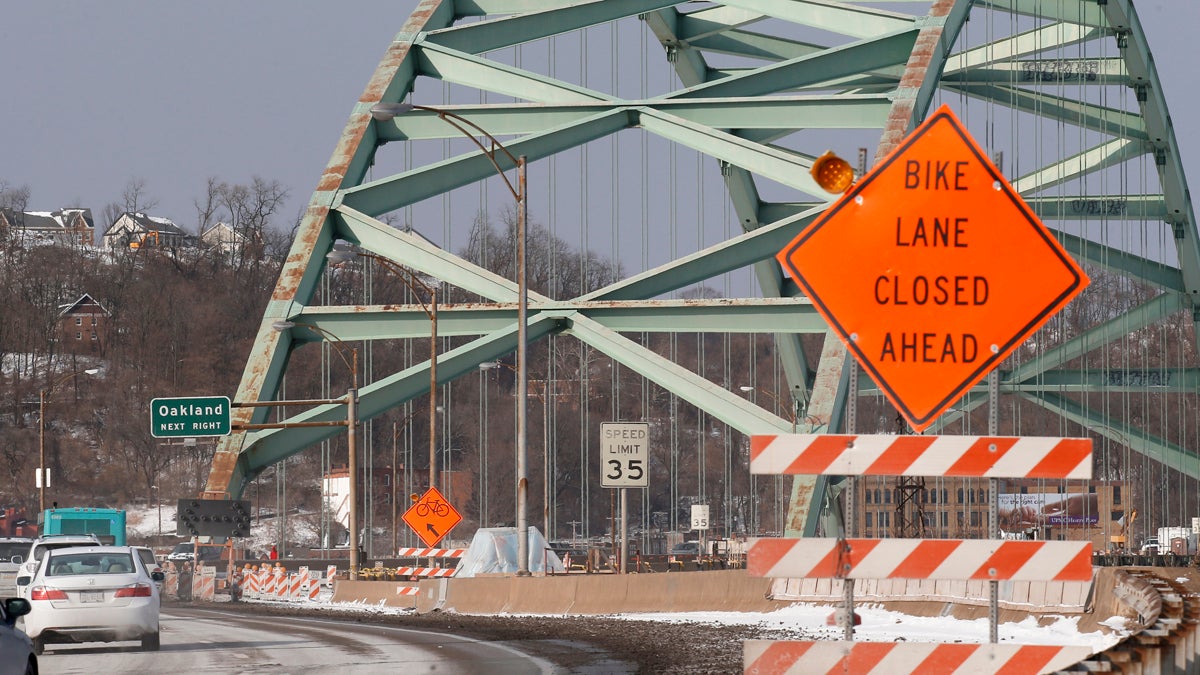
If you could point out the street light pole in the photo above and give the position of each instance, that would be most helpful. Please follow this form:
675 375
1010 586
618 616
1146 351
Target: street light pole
546 461
43 476
522 377
351 423
411 280
352 467
545 401
384 112
158 502
395 442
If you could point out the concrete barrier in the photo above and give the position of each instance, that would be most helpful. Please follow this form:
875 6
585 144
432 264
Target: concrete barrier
729 590
387 593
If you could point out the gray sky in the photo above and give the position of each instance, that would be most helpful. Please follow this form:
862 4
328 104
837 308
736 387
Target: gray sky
174 92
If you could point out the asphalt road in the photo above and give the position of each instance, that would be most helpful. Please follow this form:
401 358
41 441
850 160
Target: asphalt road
263 637
198 640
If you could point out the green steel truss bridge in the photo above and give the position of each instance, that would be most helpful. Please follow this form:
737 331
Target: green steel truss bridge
676 138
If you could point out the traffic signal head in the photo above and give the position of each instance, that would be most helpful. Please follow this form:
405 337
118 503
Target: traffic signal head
832 173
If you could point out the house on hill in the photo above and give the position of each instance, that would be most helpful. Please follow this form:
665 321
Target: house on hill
64 227
83 326
133 231
227 241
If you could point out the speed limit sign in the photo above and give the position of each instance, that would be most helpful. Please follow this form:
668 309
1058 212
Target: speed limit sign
624 454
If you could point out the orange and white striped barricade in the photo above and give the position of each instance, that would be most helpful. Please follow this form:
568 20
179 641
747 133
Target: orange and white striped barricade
950 559
256 586
934 559
204 584
313 584
282 587
892 455
267 583
431 572
170 587
259 581
330 575
300 587
766 657
407 590
447 561
431 552
251 582
295 587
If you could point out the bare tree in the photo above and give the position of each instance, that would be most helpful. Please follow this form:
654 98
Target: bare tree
207 206
110 213
14 200
135 198
248 210
14 197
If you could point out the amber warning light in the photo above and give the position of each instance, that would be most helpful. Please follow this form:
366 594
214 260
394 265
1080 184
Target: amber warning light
832 173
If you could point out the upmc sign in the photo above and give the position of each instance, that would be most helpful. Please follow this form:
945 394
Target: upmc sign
190 417
932 269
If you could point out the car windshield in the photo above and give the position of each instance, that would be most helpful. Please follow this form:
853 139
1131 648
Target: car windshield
74 564
9 549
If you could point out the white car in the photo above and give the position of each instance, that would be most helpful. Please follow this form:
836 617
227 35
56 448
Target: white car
15 647
38 549
12 552
93 594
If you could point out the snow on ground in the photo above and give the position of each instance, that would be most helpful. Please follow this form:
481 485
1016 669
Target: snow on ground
882 625
807 622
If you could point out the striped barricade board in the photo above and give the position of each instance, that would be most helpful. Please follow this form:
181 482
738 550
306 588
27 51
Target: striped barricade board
954 559
893 455
430 552
425 571
935 559
763 657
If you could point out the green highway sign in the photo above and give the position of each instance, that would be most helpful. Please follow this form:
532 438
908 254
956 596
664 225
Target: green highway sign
190 416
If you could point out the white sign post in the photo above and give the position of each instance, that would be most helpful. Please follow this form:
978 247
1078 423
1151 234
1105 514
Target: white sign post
700 524
624 456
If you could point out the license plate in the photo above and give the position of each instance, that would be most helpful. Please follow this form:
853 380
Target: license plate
91 596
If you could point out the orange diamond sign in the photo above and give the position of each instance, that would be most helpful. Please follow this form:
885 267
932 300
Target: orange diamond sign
432 517
932 269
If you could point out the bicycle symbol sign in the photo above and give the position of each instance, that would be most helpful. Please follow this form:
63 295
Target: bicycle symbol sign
432 517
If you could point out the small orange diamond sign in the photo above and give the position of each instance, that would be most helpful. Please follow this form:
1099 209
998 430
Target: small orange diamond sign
432 517
932 269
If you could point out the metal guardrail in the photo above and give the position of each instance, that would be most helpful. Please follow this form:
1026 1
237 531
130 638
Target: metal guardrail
1169 640
1144 560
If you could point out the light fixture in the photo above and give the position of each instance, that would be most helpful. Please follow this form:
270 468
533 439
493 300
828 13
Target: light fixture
832 173
386 112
